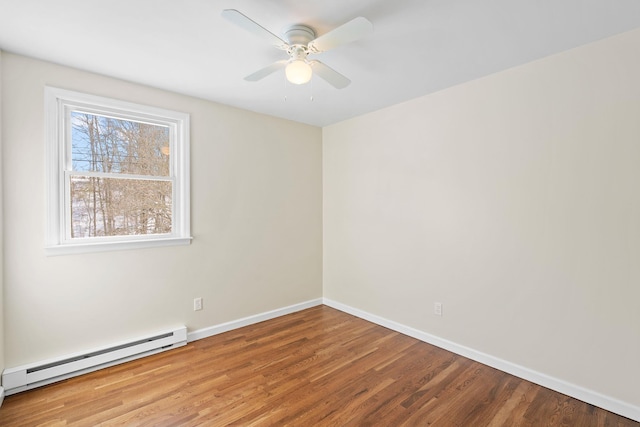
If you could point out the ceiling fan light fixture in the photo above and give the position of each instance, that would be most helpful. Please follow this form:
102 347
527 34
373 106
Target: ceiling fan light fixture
298 72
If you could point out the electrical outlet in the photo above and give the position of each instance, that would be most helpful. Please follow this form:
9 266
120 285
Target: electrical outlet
437 308
197 304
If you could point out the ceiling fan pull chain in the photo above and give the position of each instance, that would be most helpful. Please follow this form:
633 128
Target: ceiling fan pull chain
284 88
311 96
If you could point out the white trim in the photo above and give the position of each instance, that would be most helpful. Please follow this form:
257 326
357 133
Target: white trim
58 103
250 320
610 404
119 245
1 395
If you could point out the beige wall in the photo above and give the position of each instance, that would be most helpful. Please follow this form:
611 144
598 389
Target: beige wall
256 194
514 200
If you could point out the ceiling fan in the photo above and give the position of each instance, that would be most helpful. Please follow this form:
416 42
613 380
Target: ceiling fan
299 41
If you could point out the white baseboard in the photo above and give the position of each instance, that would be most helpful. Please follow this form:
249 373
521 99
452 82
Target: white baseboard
605 402
1 395
246 321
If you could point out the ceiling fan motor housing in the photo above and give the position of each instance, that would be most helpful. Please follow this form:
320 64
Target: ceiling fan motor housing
299 35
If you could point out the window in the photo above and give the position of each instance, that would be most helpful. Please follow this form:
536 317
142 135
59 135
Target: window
118 174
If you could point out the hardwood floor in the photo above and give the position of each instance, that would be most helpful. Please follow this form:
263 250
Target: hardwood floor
318 367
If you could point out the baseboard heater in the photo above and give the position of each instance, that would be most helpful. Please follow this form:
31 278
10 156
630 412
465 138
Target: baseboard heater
34 375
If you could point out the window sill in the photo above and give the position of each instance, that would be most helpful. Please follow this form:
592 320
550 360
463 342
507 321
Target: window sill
82 248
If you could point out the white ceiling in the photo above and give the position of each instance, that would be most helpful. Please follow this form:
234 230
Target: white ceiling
417 47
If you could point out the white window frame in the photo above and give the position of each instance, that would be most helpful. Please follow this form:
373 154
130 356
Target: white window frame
58 105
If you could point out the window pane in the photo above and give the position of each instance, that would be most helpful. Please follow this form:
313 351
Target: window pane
105 144
119 207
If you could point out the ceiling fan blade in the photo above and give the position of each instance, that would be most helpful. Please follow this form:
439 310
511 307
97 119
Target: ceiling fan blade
264 72
248 24
344 34
330 75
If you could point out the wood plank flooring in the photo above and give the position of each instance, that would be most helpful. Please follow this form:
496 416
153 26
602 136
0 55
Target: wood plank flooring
317 367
